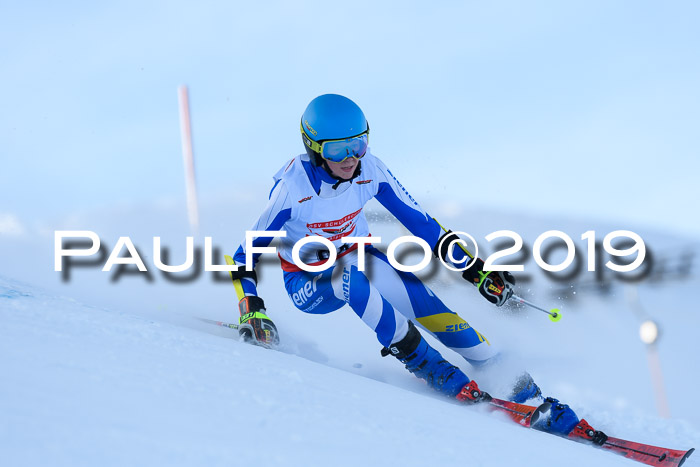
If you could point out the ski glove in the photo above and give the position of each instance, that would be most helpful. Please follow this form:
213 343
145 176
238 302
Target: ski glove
495 286
254 325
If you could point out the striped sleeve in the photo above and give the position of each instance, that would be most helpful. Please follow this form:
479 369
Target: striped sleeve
396 199
277 212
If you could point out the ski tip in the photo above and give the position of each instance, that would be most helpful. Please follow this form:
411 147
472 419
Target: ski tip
555 315
687 455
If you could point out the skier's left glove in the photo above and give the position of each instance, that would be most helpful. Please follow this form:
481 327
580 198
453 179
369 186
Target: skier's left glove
495 286
254 325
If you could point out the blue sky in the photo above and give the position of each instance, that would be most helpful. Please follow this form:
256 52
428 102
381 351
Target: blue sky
588 109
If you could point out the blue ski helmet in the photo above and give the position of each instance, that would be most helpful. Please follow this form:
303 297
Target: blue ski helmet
330 117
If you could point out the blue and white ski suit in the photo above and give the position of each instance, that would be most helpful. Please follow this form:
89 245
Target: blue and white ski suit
306 200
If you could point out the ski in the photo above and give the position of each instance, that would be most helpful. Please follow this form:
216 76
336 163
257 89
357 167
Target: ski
644 453
647 454
527 416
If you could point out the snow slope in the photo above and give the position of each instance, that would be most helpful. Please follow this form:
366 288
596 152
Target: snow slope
138 380
88 386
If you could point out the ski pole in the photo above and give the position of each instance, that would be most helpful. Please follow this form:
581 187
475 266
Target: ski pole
239 292
554 313
219 323
236 282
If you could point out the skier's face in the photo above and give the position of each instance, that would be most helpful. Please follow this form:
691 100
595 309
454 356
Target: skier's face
345 169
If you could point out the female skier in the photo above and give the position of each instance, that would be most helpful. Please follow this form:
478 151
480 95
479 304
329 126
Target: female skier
322 193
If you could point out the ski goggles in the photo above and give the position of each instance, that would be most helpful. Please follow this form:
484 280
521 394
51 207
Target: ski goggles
337 150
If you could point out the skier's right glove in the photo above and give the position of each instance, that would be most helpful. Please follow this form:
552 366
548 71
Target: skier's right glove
495 286
254 325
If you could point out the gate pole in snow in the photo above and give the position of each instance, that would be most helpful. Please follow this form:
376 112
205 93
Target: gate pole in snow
188 156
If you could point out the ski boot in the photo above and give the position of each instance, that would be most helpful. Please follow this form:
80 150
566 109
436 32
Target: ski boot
559 420
426 363
525 389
